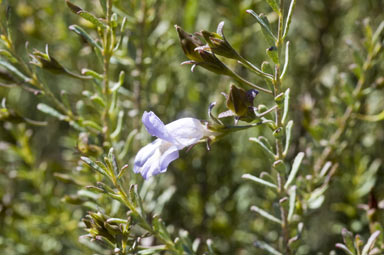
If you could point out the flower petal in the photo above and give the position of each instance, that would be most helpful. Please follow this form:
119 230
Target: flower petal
170 155
155 126
159 161
186 131
144 154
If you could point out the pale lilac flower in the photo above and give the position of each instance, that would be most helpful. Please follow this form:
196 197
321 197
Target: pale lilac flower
155 157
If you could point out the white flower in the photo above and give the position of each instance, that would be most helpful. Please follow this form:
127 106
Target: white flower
155 157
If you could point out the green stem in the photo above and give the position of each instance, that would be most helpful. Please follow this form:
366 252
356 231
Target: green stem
254 68
248 83
143 222
107 54
279 128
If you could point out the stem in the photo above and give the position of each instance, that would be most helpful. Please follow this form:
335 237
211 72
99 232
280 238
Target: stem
266 112
277 84
253 68
245 82
143 222
107 54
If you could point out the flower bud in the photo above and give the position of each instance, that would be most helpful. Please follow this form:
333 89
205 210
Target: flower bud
188 43
199 54
240 103
211 63
218 44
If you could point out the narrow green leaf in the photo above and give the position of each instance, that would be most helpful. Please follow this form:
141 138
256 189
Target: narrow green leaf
86 15
267 68
159 227
377 33
108 190
14 70
92 18
8 55
120 83
136 197
289 18
76 126
370 243
95 189
344 248
295 169
117 221
264 147
119 125
267 247
92 124
368 178
263 25
286 106
132 196
267 36
50 111
265 214
325 168
265 141
122 170
288 131
88 194
259 180
83 34
94 166
286 61
112 159
98 100
74 8
348 239
292 202
316 198
274 5
372 118
92 73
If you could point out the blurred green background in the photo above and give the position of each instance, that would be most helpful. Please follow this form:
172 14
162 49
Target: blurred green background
205 193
